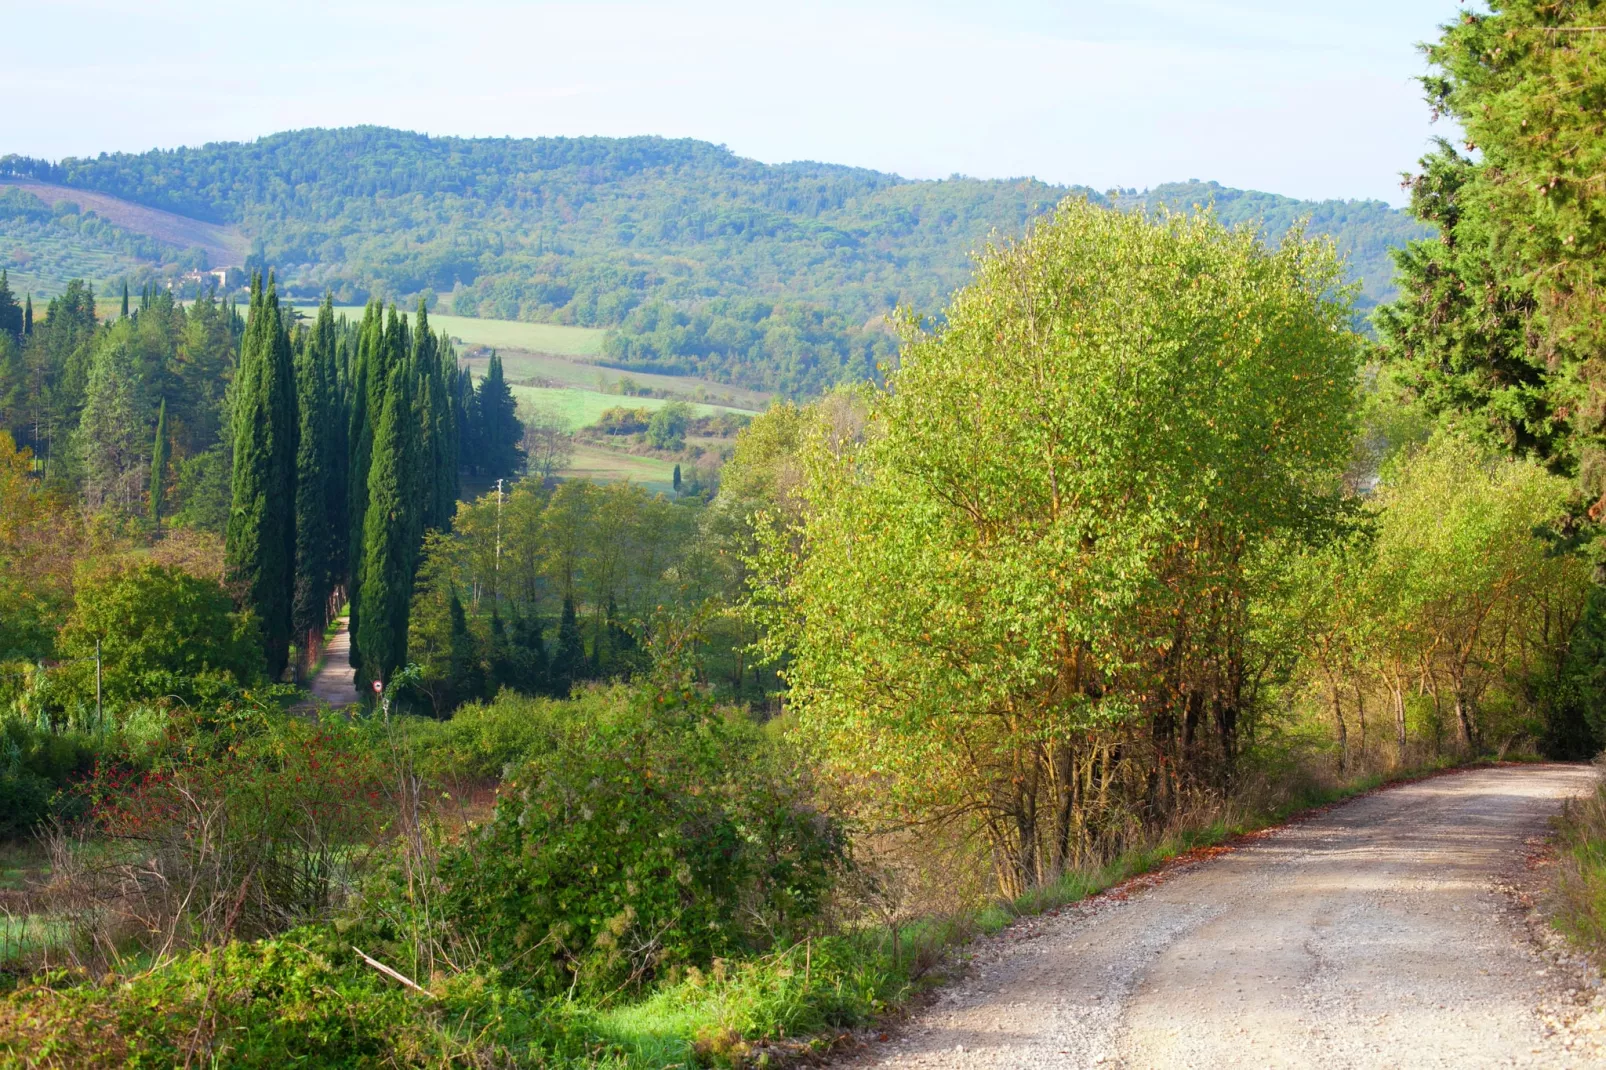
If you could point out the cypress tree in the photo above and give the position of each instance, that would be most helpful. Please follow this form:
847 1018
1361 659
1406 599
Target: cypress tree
337 461
386 582
569 659
259 548
465 413
360 446
160 452
125 299
446 485
313 534
677 479
27 315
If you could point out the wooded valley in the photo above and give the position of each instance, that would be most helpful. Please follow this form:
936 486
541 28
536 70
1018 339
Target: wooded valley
1151 525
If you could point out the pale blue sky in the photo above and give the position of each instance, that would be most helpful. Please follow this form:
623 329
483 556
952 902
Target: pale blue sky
1307 99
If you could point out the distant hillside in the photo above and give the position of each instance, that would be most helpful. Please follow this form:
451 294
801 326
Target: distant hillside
765 275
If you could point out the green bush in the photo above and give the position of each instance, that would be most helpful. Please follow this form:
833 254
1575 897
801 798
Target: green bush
651 835
304 999
163 633
35 766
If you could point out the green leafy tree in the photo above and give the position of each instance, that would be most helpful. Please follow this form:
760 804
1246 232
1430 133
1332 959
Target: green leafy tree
1027 562
162 632
260 541
667 428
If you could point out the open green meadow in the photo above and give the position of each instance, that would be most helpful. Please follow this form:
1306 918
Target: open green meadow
502 334
602 465
520 364
582 407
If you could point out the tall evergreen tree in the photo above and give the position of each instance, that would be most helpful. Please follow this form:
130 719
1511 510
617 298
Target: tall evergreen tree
125 299
313 534
11 321
27 315
569 658
160 451
465 414
388 525
367 366
260 542
500 431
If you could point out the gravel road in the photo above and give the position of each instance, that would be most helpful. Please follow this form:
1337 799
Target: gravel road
1380 933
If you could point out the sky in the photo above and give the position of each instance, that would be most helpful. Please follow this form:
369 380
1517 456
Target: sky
1311 100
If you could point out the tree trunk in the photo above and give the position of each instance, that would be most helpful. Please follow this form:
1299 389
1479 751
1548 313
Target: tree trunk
1463 716
1343 730
1399 722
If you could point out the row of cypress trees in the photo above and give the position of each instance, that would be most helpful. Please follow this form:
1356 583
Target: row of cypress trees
347 443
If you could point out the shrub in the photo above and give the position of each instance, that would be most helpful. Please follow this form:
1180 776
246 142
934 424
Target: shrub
243 827
162 632
657 835
667 428
304 999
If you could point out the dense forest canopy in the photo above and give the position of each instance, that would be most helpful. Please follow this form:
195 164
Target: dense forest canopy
775 276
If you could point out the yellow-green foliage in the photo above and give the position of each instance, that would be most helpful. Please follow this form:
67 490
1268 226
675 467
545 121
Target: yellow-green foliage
1031 547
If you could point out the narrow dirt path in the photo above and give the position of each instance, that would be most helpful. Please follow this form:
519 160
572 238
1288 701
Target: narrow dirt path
1372 935
336 682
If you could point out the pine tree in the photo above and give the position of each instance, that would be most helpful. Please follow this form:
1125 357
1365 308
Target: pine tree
11 317
569 659
260 544
125 299
160 451
388 525
500 431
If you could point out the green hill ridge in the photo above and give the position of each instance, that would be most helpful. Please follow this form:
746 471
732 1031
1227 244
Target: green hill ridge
699 260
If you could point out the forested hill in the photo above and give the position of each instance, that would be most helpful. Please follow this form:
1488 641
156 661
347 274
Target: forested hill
767 275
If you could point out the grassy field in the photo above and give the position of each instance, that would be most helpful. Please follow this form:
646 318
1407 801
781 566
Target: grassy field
582 407
502 334
518 364
610 466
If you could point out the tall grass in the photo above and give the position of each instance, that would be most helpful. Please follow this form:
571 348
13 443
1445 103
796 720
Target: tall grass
1579 896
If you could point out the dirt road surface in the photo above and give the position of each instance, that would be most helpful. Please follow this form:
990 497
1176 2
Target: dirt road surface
336 682
1376 934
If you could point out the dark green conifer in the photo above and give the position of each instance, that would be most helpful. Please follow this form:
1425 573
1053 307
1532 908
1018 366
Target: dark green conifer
314 532
160 451
388 554
259 546
499 430
366 364
125 299
11 315
677 479
27 315
569 659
